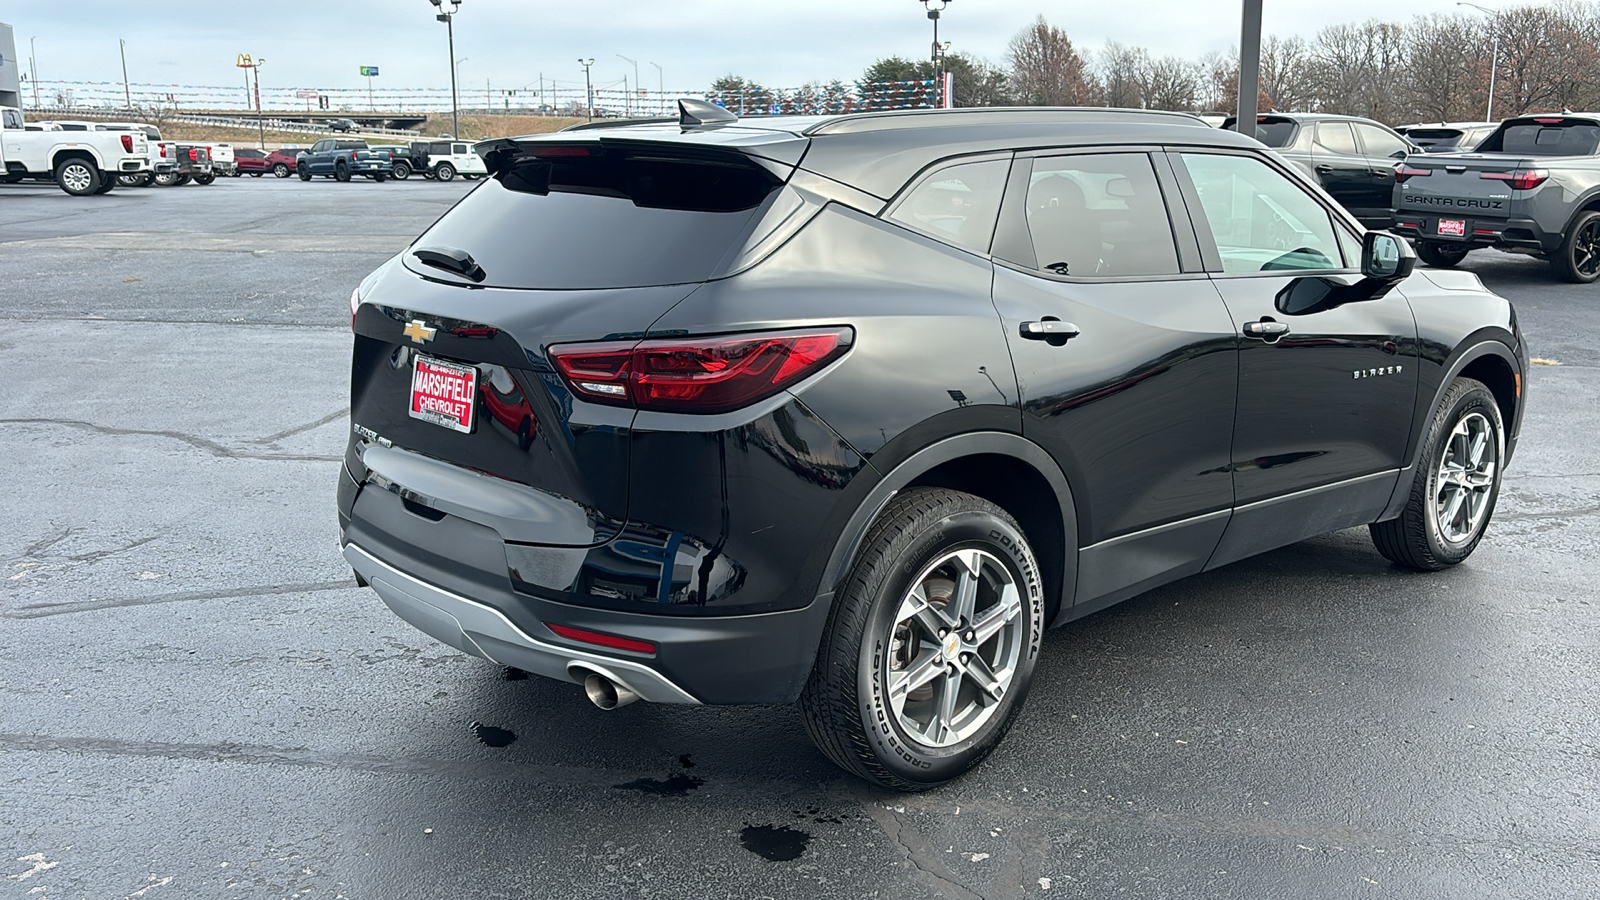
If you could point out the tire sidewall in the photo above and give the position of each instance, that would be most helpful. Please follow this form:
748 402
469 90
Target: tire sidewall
1569 250
281 170
445 172
895 750
68 164
1475 399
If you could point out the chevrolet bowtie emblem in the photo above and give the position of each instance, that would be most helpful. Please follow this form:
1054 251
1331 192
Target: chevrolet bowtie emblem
419 332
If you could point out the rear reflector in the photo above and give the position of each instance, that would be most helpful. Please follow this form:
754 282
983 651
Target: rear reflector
1403 171
601 640
1519 181
698 375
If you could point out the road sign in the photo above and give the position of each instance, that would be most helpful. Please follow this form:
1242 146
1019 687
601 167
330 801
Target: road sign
369 71
306 95
245 61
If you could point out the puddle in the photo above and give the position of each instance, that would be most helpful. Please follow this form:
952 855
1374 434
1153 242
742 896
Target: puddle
686 761
675 786
492 736
774 842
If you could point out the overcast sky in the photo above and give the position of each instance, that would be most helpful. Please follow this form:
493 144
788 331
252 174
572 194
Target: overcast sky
780 44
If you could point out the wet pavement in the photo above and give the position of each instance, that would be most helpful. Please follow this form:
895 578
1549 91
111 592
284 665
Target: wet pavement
196 701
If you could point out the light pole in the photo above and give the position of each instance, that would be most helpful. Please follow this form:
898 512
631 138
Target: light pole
448 17
33 67
636 83
127 95
661 87
1494 61
935 7
253 65
588 89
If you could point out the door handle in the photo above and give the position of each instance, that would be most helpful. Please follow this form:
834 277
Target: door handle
1324 170
1053 330
1266 329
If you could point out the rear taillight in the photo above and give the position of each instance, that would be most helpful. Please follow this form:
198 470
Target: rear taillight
698 375
601 640
1403 171
194 154
355 304
1519 181
127 143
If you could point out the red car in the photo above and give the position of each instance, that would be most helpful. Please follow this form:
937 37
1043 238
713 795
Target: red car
251 162
281 162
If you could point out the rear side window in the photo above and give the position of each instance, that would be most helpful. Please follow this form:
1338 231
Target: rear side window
1099 216
1336 137
957 205
624 218
11 118
1556 138
1261 221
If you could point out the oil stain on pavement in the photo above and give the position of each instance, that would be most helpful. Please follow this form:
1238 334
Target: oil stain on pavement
774 842
492 736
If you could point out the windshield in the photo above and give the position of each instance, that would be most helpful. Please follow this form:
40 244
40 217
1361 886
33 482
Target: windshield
624 218
1553 137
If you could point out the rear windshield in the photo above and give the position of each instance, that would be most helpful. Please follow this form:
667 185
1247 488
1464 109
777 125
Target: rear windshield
1432 135
628 218
1275 132
1554 138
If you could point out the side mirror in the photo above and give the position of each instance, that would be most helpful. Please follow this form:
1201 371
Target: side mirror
1386 258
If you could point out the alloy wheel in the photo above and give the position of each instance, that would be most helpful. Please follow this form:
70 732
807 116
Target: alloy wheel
78 177
954 648
1464 481
1586 249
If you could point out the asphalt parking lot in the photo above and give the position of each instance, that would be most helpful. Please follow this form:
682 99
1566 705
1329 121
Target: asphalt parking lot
196 701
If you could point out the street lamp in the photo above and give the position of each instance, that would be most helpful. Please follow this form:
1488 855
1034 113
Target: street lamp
635 79
935 7
661 87
588 89
249 64
1494 62
447 15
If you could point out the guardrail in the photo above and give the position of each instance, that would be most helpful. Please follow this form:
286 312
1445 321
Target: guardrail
248 123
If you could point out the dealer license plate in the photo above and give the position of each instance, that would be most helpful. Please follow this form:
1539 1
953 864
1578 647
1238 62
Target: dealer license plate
1453 227
443 393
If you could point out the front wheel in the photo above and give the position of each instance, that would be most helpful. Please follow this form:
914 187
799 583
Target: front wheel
108 183
78 177
445 172
182 180
931 645
379 177
1578 259
1456 485
1441 256
281 170
305 173
136 180
255 174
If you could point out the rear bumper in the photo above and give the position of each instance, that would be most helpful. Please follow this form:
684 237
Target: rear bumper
1517 235
485 632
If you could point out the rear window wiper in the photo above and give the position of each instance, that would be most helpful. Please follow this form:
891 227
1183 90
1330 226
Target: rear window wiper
451 260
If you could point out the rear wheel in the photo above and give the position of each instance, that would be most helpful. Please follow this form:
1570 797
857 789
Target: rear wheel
445 172
402 171
182 180
1578 259
1441 256
1456 485
255 174
280 169
341 171
379 177
134 180
166 179
931 645
78 177
205 179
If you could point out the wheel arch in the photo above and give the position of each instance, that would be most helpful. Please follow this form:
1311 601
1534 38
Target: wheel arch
1006 469
60 156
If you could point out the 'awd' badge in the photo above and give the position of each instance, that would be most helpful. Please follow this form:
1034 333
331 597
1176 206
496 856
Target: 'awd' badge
1381 370
418 331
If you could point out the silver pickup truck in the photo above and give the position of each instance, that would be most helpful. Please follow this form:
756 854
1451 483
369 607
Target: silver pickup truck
1532 186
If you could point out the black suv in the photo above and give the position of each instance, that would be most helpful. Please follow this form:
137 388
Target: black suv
847 410
1352 158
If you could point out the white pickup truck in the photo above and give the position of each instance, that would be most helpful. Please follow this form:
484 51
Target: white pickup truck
79 162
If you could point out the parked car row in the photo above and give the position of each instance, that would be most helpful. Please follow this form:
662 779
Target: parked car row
1529 184
344 158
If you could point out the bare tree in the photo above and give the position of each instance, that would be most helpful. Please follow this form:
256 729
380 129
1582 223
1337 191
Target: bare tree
1170 82
1285 73
1046 70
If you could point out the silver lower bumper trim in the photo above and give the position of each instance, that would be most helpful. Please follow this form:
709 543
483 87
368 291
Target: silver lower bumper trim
485 632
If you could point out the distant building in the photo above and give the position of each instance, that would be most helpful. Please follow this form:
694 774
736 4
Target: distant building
10 69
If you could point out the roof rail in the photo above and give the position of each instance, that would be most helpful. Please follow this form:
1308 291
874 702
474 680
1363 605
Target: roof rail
997 115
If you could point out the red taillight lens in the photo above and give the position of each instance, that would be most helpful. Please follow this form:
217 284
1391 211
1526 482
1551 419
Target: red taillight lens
698 375
602 640
1519 181
194 154
127 143
1403 171
560 150
355 304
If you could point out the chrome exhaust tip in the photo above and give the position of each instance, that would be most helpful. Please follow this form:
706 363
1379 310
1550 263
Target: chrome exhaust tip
605 693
